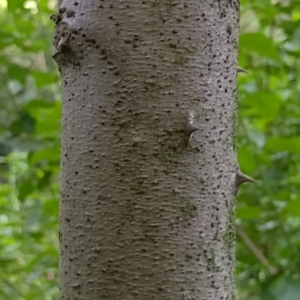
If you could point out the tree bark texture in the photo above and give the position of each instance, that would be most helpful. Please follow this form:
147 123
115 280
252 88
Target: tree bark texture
147 203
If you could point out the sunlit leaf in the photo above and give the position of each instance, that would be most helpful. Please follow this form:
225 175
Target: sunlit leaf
260 44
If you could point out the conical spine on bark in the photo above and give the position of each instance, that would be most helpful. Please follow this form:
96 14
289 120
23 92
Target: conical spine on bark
62 32
241 70
190 126
242 178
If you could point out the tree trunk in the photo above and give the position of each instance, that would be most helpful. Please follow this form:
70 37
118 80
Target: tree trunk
148 170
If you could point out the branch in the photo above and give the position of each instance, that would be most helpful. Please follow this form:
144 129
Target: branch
240 231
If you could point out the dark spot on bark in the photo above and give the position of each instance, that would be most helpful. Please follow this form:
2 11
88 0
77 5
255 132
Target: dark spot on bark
91 40
228 29
70 13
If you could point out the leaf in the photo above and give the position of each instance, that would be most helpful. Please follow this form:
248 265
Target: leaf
42 78
34 104
25 123
263 101
267 295
248 212
293 207
246 161
13 5
257 137
286 289
259 43
48 121
44 181
45 155
282 144
17 72
25 188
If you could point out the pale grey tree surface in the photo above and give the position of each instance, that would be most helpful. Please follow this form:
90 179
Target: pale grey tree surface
147 201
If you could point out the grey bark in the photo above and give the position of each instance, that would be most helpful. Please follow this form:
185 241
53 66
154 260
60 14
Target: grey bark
59 2
147 203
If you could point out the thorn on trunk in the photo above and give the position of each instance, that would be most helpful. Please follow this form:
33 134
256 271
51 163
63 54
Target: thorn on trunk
241 70
61 37
241 178
190 127
56 18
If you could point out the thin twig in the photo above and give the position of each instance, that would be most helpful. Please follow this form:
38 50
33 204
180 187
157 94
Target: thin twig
240 231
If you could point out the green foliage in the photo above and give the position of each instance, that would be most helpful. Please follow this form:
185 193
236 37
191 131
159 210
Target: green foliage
268 214
268 263
29 153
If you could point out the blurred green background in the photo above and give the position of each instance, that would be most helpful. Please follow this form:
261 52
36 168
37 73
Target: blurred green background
268 214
